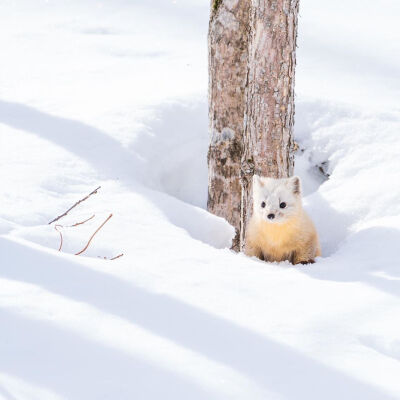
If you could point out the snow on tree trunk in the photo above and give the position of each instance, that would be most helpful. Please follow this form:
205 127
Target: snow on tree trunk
252 59
227 78
269 112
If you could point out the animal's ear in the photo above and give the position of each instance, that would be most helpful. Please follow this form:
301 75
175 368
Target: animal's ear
295 185
257 181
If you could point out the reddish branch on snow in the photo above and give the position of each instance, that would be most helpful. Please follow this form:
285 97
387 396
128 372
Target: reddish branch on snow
61 236
82 222
112 258
58 226
69 226
78 202
91 237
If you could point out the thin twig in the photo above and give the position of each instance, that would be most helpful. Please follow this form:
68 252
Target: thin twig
69 226
80 223
113 258
78 202
61 236
88 243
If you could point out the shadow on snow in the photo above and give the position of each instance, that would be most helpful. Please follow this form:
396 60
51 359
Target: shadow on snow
274 366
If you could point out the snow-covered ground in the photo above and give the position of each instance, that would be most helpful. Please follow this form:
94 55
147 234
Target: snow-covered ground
113 94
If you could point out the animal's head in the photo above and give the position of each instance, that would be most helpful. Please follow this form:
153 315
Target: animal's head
276 200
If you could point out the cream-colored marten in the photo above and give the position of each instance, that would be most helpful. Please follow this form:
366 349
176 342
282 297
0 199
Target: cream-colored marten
279 228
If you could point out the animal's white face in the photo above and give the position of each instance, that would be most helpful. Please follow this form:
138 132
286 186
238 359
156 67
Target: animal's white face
276 200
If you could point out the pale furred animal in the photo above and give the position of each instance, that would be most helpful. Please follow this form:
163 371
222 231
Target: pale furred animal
279 228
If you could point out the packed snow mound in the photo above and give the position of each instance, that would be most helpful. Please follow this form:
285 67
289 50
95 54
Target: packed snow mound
357 150
173 144
92 95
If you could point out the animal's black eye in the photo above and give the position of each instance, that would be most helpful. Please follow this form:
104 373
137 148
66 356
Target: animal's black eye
263 204
282 205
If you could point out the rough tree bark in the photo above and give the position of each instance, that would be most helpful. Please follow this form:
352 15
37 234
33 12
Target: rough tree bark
252 59
228 48
269 97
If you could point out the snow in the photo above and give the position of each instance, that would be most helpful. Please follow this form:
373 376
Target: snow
113 94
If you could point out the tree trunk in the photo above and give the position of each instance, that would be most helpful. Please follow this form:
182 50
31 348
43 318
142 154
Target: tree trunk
269 112
227 78
252 59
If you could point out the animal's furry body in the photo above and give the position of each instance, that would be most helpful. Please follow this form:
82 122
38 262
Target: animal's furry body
279 228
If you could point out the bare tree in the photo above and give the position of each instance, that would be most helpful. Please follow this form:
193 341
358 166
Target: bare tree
228 49
252 58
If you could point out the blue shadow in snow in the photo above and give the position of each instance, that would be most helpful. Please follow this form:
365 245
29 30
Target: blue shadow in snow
53 358
91 144
274 366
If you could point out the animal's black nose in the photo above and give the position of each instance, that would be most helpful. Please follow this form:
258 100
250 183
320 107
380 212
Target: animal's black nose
271 216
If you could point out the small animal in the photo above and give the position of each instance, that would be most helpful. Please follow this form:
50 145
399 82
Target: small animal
279 228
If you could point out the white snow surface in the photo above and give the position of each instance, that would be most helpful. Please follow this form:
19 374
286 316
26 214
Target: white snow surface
113 94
